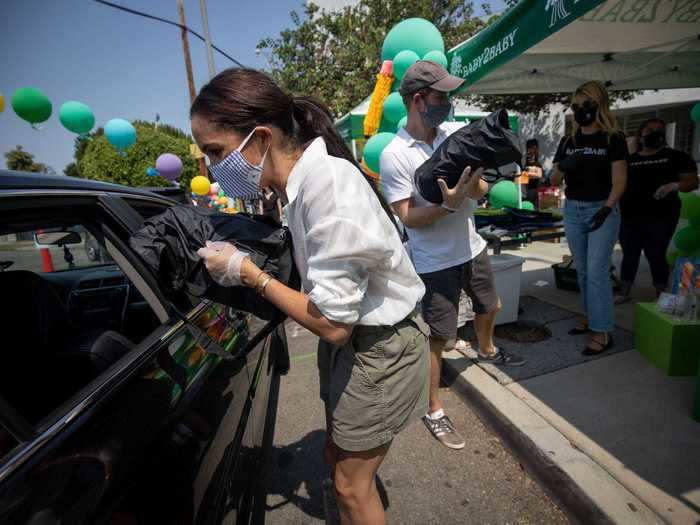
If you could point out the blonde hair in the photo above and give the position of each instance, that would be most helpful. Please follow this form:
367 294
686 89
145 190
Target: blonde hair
604 117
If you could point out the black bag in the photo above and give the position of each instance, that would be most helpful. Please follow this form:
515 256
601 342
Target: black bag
168 244
487 143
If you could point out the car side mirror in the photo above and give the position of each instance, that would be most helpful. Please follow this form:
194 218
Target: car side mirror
57 238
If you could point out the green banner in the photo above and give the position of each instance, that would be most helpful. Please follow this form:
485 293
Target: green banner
523 26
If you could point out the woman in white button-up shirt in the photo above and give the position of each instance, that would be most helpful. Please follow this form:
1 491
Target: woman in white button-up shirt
359 287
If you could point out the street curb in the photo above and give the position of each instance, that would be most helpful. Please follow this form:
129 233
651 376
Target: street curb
581 487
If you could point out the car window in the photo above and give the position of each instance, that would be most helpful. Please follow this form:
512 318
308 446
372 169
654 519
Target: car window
66 327
21 251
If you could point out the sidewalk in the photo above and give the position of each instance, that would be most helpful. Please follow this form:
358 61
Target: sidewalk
611 438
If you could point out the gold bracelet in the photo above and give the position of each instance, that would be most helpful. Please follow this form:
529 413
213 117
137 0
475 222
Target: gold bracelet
257 279
261 290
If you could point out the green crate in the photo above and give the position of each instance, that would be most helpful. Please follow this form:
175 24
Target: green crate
672 346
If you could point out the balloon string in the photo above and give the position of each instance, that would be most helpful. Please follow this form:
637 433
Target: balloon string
35 127
121 153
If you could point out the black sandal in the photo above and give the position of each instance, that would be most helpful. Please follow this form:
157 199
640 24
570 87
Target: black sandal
588 351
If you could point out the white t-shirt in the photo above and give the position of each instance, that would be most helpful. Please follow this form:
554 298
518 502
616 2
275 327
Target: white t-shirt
352 263
449 241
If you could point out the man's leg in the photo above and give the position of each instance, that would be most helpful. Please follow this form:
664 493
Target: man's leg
436 348
439 308
479 284
356 489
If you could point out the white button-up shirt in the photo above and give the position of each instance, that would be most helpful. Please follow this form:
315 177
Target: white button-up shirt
351 261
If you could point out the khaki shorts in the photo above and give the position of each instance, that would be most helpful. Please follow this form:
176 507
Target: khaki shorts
375 384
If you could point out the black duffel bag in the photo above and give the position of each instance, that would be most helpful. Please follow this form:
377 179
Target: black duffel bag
168 244
487 143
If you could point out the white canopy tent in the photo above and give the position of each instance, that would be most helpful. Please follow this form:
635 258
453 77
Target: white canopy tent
545 46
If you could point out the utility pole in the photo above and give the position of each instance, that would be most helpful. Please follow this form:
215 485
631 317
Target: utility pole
188 68
207 38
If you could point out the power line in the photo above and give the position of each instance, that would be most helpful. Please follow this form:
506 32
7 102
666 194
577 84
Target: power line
170 22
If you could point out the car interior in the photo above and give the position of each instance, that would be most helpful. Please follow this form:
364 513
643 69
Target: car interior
65 327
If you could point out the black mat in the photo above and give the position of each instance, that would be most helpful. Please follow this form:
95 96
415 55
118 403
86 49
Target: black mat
561 350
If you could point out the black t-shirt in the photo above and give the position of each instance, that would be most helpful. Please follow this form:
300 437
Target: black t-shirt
592 180
646 173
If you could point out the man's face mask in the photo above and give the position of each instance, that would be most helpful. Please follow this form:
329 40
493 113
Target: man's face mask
238 177
435 114
654 139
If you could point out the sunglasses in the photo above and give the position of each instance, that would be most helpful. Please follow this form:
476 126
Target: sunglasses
586 105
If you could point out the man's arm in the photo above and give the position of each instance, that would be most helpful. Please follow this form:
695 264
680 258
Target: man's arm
452 199
413 217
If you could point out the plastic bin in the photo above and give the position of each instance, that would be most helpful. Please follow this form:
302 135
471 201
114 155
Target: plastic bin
565 276
506 274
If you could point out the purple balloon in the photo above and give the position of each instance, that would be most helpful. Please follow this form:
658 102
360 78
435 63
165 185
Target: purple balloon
169 166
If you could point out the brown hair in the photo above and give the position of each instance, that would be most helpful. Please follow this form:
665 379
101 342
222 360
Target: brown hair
240 99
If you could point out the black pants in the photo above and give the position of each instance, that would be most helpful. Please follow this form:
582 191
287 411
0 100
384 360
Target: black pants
653 237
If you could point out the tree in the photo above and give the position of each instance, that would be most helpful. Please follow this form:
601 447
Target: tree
335 55
20 160
97 159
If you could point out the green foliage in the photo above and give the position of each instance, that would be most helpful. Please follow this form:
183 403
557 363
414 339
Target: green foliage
336 55
20 160
98 160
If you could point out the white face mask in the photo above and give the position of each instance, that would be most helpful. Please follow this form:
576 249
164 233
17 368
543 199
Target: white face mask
238 177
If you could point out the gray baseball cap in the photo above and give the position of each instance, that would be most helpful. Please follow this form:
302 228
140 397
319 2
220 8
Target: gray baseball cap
427 74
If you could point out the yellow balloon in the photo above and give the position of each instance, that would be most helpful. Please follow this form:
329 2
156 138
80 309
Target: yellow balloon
200 185
224 201
2 103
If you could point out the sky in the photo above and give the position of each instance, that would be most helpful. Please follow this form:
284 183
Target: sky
119 64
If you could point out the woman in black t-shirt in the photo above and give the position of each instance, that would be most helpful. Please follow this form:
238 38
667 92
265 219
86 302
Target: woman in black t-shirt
593 163
650 206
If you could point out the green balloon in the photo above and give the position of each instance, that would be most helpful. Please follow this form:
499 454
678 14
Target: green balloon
374 147
695 113
76 117
504 193
690 207
438 57
671 258
687 239
402 61
394 108
415 34
527 205
402 123
31 105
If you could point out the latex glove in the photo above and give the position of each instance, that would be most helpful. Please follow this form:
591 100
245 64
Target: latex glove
223 262
572 162
453 198
599 218
665 190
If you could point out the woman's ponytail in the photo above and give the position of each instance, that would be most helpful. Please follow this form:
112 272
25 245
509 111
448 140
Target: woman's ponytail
313 119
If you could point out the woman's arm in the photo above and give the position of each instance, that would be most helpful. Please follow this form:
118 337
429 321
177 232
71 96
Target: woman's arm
619 182
688 182
297 306
557 176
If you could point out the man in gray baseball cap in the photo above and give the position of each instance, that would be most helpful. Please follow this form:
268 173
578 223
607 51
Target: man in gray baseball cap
448 253
426 74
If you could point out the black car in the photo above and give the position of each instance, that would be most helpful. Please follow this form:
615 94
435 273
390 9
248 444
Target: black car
120 403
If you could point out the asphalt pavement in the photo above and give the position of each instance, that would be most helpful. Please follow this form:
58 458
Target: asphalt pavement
421 481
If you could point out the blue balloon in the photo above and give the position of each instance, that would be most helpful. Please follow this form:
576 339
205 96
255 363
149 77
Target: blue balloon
152 172
120 133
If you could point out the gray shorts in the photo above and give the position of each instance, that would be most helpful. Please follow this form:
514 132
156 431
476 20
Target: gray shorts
440 304
375 384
